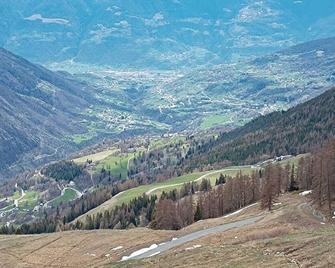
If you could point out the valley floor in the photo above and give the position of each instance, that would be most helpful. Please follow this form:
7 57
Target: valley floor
289 236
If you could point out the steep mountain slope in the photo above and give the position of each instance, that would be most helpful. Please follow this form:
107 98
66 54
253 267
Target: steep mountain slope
159 34
45 115
295 131
38 109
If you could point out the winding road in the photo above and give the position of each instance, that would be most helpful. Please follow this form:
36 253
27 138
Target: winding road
196 180
157 249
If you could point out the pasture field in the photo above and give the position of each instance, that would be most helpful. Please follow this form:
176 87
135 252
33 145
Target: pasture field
117 164
95 157
215 120
29 201
159 187
68 195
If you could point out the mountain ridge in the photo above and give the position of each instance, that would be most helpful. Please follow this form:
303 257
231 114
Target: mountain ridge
45 104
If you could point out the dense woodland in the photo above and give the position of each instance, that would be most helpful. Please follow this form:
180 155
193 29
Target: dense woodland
293 132
63 170
193 202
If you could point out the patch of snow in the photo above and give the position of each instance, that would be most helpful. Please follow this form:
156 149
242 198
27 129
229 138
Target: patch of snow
139 252
320 53
322 223
277 204
239 211
90 254
117 248
173 239
305 193
161 244
154 254
107 255
194 247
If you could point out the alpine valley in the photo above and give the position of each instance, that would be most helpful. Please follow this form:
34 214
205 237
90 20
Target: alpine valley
175 133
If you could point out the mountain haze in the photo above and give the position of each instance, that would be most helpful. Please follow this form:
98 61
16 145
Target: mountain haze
57 112
163 34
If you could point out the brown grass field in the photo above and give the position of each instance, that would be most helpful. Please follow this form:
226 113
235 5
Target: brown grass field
289 236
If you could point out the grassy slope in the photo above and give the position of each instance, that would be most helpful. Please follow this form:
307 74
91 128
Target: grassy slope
116 164
215 120
29 201
95 157
211 175
69 194
287 237
174 183
126 196
138 191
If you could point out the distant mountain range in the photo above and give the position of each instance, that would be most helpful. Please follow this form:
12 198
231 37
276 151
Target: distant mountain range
162 34
45 115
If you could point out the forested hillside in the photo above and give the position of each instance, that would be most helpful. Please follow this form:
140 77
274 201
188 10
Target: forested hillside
295 131
178 208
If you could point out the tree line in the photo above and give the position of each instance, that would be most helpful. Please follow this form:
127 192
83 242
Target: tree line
179 208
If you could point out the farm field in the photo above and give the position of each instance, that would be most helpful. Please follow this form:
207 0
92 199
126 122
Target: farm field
68 195
95 157
215 120
29 200
116 164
